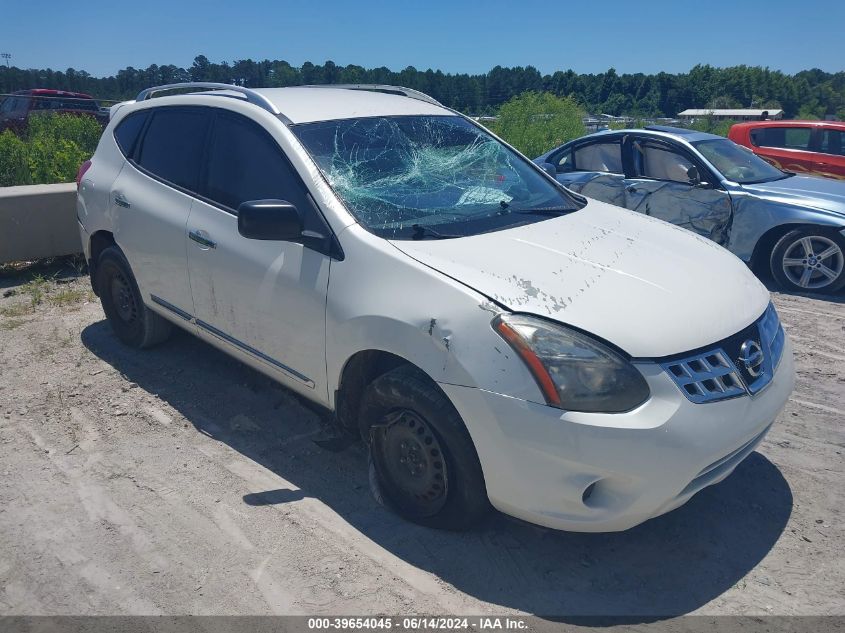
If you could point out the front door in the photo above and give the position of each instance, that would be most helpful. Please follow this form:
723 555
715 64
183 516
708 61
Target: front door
660 185
264 298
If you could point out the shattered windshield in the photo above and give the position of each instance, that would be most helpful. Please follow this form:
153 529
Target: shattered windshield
738 163
407 176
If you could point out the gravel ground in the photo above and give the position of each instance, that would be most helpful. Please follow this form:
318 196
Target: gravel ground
177 481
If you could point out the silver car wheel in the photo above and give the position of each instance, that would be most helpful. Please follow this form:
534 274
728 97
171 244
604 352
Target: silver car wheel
813 262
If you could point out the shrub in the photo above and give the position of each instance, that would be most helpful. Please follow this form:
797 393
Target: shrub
14 164
535 122
49 151
712 125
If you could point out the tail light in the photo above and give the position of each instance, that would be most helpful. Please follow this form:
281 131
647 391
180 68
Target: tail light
82 169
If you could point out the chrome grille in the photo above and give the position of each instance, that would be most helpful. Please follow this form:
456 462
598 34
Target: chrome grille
707 376
718 373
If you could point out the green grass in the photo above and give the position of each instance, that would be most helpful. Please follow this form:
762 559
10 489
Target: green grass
35 288
69 296
16 310
11 324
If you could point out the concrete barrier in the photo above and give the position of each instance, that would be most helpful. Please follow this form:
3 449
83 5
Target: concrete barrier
38 221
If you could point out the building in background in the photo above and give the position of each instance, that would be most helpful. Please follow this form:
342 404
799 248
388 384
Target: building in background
732 114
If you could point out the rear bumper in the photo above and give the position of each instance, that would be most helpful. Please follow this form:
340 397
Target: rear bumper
85 239
86 251
609 472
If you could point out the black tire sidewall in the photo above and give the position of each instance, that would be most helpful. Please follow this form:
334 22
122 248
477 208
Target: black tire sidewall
112 262
779 250
407 388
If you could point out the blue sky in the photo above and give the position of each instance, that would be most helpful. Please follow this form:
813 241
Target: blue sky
646 36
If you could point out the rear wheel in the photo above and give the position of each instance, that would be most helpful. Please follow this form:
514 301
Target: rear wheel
132 322
424 459
809 259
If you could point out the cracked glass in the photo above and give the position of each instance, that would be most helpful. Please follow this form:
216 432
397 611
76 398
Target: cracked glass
412 176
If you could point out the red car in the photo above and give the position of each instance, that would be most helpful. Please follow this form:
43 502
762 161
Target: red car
16 108
805 147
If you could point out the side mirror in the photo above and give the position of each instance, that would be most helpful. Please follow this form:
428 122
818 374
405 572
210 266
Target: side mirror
694 177
550 169
269 220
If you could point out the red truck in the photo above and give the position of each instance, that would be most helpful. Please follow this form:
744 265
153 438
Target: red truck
815 148
16 108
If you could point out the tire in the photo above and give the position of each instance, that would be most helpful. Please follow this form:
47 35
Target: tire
132 321
424 460
809 260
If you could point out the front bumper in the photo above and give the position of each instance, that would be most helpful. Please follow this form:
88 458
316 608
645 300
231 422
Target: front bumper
590 472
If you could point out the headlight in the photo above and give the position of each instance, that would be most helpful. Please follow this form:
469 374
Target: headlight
574 371
772 335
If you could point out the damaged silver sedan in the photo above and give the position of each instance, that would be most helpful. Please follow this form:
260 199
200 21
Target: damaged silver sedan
794 225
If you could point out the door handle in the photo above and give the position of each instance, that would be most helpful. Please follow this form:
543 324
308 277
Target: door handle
201 239
631 189
121 201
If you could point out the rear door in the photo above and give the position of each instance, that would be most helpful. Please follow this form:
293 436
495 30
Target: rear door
593 168
151 200
265 298
659 185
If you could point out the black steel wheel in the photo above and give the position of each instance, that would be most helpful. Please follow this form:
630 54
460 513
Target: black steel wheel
423 456
132 322
407 450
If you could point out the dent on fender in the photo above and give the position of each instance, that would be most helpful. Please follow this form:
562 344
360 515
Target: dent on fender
754 216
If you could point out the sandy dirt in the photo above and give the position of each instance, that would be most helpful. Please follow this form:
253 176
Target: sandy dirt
178 481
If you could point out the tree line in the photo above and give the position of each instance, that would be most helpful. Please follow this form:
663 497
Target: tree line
806 94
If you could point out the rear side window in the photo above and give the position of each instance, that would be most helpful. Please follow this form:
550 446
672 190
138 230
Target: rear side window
833 142
245 163
782 137
127 131
173 144
606 157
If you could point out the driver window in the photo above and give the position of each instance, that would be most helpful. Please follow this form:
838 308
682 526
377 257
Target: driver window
604 157
660 163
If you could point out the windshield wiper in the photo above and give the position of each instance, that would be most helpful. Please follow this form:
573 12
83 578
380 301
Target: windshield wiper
421 232
786 174
543 211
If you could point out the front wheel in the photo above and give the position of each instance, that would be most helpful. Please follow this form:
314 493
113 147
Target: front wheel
424 459
809 259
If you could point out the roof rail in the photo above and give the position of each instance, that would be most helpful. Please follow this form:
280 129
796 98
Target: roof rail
251 95
391 90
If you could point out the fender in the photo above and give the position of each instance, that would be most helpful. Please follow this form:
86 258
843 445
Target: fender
419 326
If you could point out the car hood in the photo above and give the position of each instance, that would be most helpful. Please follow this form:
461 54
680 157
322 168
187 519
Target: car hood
650 288
810 191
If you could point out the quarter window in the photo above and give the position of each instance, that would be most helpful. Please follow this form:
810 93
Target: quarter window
833 142
173 144
245 163
127 131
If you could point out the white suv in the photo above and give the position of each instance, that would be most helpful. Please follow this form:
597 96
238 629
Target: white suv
492 337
